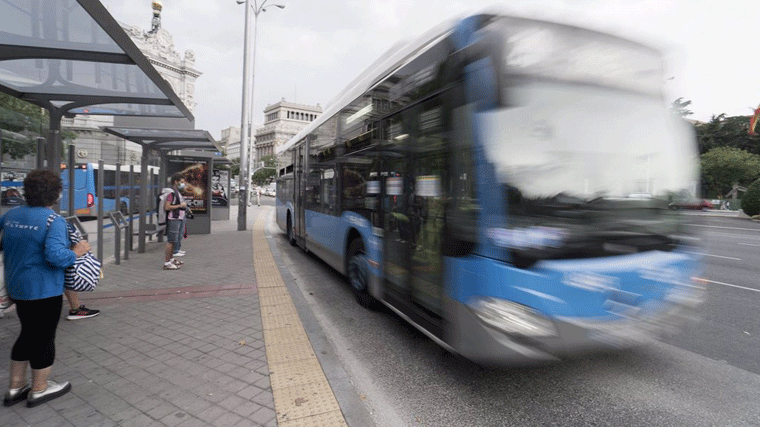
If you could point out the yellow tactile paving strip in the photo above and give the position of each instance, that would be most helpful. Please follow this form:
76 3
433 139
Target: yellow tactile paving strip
302 395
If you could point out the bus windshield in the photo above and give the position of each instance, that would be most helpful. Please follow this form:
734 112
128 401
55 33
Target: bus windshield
594 162
588 143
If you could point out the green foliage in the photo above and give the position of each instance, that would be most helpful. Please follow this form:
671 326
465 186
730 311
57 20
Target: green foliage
751 199
20 123
235 166
679 107
723 131
724 166
264 176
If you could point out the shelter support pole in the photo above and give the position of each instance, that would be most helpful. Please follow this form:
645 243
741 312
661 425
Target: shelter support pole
117 189
40 152
130 228
53 150
99 190
72 165
143 200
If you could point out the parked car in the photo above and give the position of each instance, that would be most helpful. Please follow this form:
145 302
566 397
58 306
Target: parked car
697 204
11 197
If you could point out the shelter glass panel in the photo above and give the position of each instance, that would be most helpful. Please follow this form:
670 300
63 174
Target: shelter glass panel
61 24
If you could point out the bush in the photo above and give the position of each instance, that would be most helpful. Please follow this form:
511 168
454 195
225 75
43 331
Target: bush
751 199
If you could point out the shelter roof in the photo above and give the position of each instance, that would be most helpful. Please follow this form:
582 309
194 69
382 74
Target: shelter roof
167 139
72 56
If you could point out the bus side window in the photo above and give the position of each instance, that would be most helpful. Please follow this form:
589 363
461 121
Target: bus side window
327 187
312 190
462 217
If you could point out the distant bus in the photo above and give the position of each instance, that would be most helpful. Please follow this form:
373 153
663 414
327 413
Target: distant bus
484 182
86 177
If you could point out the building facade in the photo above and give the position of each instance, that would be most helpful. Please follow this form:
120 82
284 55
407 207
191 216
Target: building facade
282 121
230 142
178 70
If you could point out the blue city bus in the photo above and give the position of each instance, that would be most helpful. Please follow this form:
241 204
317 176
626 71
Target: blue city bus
503 185
86 178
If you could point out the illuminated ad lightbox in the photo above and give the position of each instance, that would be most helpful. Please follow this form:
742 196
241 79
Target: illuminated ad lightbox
197 183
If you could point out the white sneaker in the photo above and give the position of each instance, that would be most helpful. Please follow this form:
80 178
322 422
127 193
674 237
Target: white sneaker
170 266
180 253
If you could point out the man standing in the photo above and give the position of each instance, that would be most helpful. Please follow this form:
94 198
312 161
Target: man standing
175 216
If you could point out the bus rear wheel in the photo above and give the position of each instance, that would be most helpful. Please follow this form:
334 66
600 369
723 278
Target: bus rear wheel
291 237
358 274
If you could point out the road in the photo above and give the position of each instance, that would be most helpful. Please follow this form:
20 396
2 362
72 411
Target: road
705 376
730 327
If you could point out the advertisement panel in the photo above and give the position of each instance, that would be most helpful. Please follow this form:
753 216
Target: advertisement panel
219 195
196 174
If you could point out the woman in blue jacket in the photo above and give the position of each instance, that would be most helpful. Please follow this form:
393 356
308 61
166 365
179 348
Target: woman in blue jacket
35 259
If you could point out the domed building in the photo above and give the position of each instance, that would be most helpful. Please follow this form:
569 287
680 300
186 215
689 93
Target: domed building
178 70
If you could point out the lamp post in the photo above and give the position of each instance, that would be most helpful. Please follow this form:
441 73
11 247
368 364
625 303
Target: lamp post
246 115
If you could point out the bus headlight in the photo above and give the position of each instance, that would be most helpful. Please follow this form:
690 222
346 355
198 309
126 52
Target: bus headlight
512 318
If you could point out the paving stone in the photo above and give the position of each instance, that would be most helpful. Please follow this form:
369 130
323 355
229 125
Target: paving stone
193 422
162 410
156 356
264 416
175 418
212 413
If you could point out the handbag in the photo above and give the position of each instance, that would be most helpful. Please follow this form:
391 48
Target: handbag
84 274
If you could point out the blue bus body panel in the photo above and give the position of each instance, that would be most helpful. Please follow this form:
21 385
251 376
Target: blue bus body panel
580 288
281 212
331 232
84 183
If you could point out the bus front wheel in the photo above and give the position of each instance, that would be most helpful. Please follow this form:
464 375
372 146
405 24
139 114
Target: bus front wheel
358 274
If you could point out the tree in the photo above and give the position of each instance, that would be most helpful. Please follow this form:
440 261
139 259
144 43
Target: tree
723 131
263 176
724 166
679 107
751 199
21 122
235 166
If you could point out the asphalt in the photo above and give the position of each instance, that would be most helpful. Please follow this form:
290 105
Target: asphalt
224 341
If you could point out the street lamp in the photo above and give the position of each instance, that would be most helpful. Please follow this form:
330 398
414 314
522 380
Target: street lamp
246 115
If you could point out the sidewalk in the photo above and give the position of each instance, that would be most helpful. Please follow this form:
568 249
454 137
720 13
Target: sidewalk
187 347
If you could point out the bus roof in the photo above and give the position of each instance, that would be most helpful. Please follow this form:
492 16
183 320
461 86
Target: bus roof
402 52
398 55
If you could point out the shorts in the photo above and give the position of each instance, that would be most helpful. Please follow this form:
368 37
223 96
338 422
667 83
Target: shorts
174 230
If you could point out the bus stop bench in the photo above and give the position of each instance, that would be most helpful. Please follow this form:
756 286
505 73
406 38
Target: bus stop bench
153 230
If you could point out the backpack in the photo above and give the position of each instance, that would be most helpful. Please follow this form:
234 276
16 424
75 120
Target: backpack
160 201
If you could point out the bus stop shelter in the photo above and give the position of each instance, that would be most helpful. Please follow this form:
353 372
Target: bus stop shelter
72 57
162 141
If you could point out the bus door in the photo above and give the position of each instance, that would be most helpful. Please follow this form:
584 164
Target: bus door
414 170
298 199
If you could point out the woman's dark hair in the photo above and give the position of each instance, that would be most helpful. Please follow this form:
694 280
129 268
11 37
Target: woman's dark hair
176 178
42 188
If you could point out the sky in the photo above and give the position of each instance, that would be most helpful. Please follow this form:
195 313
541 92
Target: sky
309 51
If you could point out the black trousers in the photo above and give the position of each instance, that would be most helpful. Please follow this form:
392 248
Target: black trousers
39 320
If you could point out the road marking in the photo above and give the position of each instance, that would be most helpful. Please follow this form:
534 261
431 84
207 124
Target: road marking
748 244
727 228
716 256
726 284
725 235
